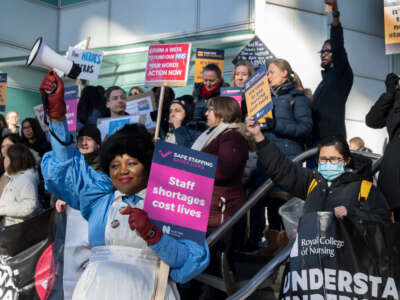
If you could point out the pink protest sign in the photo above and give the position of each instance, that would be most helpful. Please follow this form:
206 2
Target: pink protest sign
39 112
71 100
168 64
179 191
233 92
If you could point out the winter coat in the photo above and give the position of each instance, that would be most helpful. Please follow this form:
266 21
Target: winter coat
184 136
386 112
293 120
329 99
41 147
199 121
19 199
344 190
228 196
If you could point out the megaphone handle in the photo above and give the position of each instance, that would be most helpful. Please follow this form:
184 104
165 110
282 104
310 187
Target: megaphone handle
45 107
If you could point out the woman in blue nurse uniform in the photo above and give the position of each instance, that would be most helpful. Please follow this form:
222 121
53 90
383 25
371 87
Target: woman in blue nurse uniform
126 246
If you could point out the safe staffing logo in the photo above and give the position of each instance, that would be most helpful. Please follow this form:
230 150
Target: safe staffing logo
164 155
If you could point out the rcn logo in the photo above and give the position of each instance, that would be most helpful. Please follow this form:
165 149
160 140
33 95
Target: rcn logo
180 55
166 229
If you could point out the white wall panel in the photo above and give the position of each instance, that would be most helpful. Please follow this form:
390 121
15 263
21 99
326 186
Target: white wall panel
6 51
144 20
362 96
223 13
366 54
295 36
23 21
309 5
363 15
373 138
79 22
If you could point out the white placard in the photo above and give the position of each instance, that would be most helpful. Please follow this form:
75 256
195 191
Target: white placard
142 104
89 61
108 126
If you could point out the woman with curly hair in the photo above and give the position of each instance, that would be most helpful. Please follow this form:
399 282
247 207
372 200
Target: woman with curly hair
126 246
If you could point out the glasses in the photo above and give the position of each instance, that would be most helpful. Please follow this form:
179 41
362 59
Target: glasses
332 159
322 51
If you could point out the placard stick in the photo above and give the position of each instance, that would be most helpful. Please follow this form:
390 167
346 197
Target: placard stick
159 112
162 281
163 271
78 81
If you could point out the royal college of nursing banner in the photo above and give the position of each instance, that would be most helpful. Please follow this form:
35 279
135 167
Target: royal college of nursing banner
335 259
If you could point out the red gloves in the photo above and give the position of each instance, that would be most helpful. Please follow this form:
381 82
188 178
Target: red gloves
139 220
57 108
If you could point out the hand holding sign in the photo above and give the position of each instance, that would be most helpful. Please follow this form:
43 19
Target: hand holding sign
139 221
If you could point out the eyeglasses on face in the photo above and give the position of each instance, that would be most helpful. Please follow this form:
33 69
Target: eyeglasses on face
333 159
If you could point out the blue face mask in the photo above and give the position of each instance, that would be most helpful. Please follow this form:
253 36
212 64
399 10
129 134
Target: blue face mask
330 171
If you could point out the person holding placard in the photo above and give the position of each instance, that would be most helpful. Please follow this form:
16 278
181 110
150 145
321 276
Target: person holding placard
288 129
209 88
126 246
242 71
338 184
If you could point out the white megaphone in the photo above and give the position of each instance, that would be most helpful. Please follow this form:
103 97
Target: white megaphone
44 57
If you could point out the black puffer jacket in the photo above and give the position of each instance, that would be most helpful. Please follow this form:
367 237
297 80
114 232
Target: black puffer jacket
325 196
385 112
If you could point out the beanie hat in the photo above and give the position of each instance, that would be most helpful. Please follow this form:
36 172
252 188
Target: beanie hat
186 101
90 131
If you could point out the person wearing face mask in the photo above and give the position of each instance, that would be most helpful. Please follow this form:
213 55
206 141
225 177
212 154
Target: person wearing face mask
242 71
209 88
337 185
288 130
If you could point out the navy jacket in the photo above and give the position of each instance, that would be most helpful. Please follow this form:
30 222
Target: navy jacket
329 100
293 120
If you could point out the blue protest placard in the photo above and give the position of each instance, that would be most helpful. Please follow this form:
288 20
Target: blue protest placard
179 191
3 91
258 96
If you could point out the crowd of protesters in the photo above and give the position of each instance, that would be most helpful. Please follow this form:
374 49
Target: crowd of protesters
99 178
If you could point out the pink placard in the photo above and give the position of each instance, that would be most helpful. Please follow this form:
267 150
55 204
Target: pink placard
72 108
168 64
169 201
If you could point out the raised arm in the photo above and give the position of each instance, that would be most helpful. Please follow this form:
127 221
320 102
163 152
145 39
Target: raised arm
290 176
64 169
339 56
377 115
